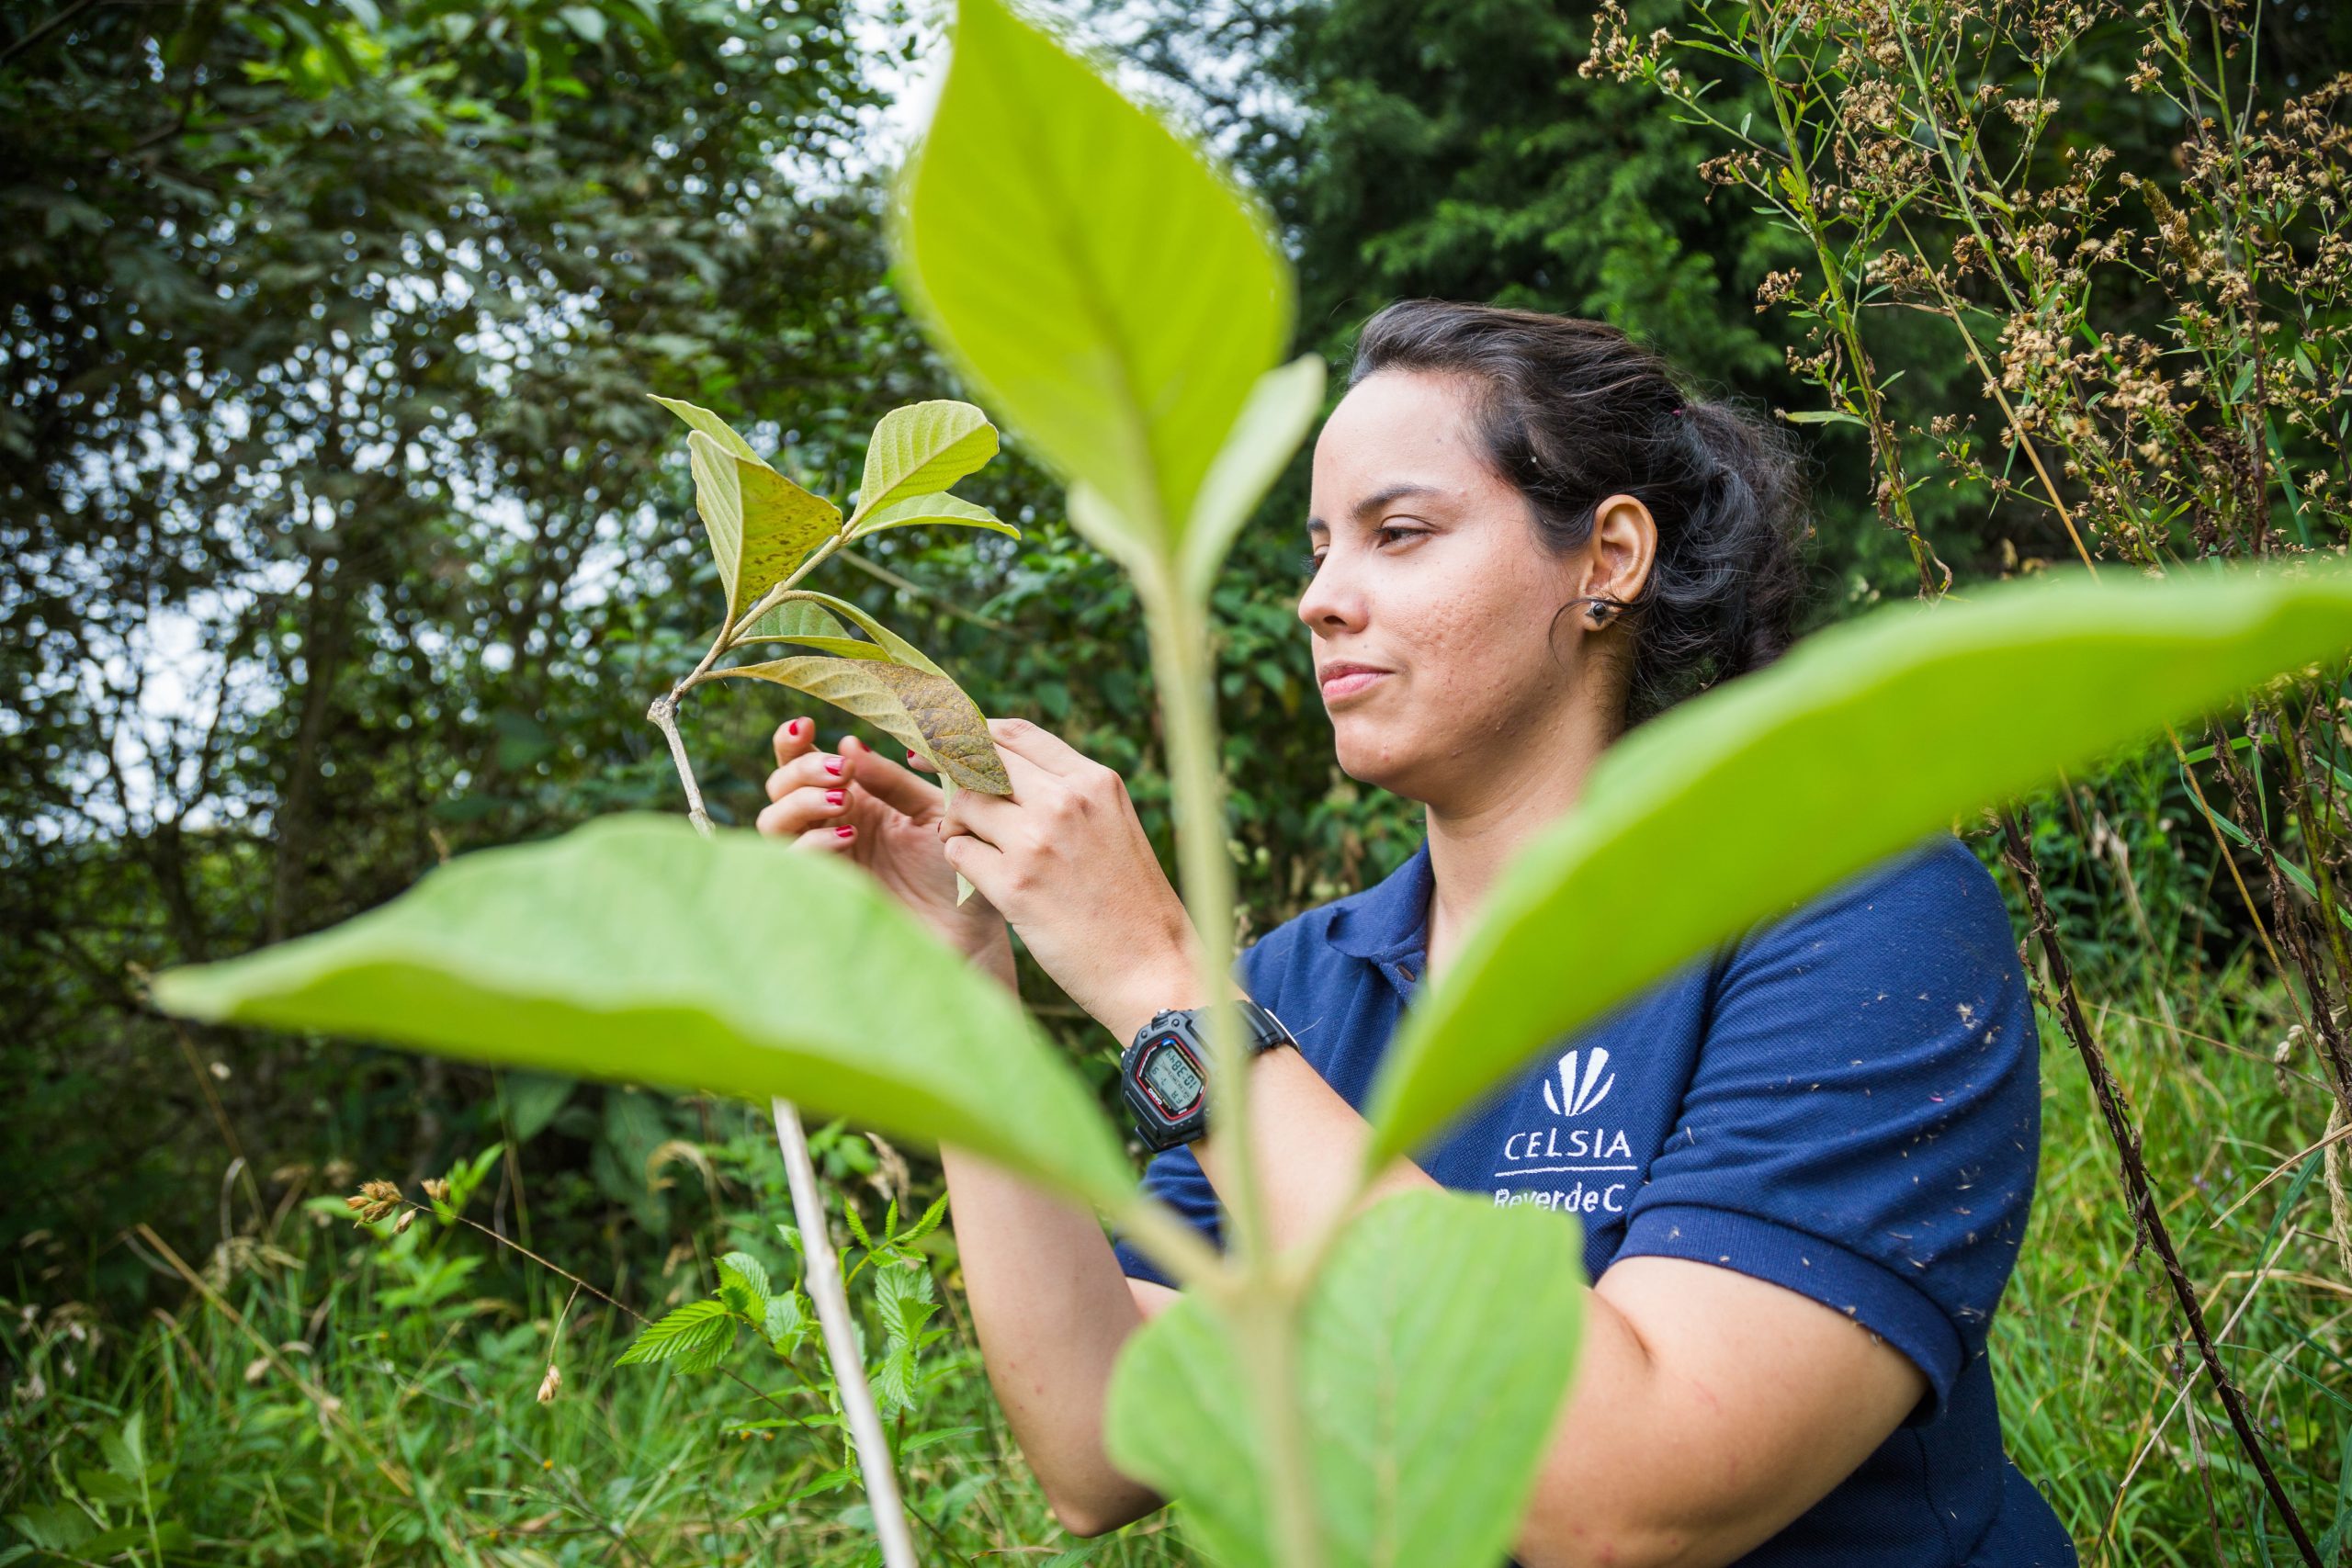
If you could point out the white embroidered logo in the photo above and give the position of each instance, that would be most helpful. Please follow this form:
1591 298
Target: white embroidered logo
1574 1099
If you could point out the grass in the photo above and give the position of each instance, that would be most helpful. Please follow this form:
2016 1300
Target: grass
2089 1353
373 1399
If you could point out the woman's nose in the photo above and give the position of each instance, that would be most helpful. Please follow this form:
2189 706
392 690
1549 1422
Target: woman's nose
1330 601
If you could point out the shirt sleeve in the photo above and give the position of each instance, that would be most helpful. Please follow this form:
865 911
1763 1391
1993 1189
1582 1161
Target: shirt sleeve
1865 1120
1174 1177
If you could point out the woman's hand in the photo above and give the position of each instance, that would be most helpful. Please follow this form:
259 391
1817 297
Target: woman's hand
1065 858
859 804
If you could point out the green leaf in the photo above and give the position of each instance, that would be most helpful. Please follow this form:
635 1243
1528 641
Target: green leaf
1102 281
928 1223
1426 1410
927 712
787 1323
894 1379
920 450
710 424
686 1332
1272 425
532 1099
793 620
1780 784
905 1298
760 524
901 651
743 1286
920 509
636 948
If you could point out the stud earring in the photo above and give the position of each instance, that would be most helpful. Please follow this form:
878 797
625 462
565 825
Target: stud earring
1600 614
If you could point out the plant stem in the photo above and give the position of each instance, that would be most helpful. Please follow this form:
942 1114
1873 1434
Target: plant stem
1267 1313
2146 1213
831 1299
825 1289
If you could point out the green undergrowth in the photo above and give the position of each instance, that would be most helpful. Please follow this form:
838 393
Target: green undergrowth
374 1398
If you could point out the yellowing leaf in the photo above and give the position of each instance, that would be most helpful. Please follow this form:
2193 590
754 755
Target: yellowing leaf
760 525
922 450
921 708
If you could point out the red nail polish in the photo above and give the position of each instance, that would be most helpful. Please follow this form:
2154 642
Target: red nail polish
832 765
843 831
835 796
912 758
798 728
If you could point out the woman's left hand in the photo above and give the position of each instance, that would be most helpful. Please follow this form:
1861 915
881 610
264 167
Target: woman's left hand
1064 859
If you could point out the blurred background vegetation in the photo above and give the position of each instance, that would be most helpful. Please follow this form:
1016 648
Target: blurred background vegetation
338 539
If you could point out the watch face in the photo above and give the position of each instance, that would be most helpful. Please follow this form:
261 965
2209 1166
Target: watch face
1170 1077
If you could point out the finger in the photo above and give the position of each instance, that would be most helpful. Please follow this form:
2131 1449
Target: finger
981 863
793 737
821 770
917 760
891 783
826 840
1049 750
797 811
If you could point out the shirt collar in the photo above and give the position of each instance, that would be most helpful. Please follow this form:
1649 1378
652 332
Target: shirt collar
1387 922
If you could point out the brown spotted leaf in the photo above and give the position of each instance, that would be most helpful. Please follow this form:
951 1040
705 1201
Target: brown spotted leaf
923 710
761 525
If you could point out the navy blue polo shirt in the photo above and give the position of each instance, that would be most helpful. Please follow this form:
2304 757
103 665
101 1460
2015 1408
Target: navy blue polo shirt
1843 1100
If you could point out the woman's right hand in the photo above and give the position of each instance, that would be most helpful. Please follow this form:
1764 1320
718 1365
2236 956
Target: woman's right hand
858 803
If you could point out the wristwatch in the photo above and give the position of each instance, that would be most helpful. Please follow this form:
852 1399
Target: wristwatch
1164 1073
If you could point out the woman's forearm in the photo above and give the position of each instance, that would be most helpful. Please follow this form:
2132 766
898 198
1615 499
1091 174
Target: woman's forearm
1052 1308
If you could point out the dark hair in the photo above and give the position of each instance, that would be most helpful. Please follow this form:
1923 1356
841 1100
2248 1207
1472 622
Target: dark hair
1571 411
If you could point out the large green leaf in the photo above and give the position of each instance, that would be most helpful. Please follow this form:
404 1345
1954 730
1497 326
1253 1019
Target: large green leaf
922 450
639 950
1107 289
919 509
1735 805
1271 425
760 524
1438 1343
792 620
927 712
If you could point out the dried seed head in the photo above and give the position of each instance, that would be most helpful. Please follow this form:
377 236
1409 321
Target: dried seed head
549 1384
374 1199
436 1189
408 1218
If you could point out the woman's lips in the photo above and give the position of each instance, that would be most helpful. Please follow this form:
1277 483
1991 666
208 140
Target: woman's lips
1351 683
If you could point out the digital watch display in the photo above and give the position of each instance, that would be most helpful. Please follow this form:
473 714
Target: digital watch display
1164 1073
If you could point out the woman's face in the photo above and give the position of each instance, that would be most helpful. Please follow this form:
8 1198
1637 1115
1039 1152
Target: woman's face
1431 574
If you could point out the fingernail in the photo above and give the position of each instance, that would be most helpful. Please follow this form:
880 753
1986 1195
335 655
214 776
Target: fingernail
835 796
844 832
912 758
798 726
832 765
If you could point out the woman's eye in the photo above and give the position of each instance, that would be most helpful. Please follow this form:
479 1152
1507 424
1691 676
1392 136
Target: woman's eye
1308 563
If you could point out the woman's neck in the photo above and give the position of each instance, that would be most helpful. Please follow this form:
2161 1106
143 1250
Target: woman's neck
1473 834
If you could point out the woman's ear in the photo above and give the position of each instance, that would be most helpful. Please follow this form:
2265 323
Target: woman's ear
1623 547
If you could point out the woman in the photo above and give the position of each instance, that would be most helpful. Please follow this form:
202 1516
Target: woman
1801 1162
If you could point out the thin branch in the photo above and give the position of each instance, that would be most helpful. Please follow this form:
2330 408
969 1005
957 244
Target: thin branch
2147 1214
